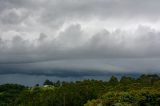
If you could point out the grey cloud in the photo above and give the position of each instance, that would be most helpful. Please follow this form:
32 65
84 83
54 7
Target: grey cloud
64 11
56 13
63 68
71 44
7 4
81 68
63 38
72 36
42 37
13 16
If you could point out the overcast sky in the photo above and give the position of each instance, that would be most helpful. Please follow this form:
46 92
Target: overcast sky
76 39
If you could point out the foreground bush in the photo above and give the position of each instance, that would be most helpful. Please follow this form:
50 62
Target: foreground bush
143 97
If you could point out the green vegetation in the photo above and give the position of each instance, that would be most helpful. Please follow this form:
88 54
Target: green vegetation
9 93
128 91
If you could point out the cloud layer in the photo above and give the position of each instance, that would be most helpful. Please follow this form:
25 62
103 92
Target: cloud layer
73 43
67 38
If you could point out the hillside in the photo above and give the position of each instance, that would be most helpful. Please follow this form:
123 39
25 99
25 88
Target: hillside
128 91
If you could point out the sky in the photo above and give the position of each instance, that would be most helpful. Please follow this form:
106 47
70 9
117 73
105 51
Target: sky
77 39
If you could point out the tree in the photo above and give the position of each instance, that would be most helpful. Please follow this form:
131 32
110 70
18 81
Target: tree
126 80
48 82
148 80
113 81
57 84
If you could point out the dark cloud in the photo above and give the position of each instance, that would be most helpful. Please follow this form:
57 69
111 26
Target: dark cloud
67 38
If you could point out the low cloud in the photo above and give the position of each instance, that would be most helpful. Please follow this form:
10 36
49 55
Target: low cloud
72 44
73 54
79 38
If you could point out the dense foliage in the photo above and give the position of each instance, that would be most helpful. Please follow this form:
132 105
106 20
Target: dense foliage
9 93
128 91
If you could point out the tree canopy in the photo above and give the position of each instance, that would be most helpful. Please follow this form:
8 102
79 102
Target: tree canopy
126 91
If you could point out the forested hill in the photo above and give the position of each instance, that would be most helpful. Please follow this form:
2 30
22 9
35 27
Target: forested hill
128 91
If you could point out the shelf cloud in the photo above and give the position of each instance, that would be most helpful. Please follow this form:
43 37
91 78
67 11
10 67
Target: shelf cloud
67 38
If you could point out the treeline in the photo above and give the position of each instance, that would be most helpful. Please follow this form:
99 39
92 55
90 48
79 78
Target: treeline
128 91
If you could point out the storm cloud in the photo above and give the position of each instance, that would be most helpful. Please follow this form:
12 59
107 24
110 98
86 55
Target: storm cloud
72 38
